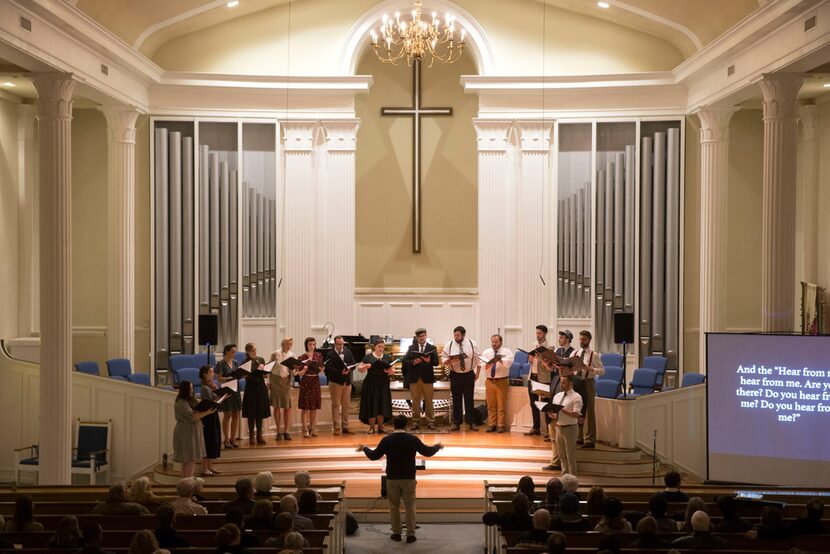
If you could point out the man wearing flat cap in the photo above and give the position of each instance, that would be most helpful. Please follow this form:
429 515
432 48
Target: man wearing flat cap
418 373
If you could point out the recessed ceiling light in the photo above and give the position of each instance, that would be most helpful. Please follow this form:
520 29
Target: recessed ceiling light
604 5
9 84
233 3
826 85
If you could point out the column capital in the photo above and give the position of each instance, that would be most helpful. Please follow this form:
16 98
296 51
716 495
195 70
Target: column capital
301 135
54 93
534 136
120 123
780 92
341 134
493 135
808 122
714 123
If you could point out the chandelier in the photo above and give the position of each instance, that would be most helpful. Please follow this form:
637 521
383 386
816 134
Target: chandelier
418 39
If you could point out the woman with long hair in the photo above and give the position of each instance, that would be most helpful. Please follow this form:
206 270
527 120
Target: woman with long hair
210 423
24 519
67 536
311 399
375 395
255 405
188 438
231 409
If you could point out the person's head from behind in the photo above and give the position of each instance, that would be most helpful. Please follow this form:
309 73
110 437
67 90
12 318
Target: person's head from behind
307 504
570 483
541 520
284 523
568 504
93 534
24 508
140 486
556 543
772 517
68 531
672 480
613 509
815 509
647 527
400 422
700 522
553 489
117 492
527 486
263 482
696 504
244 488
144 542
657 506
184 488
288 504
727 506
596 500
609 544
302 479
235 515
294 541
520 502
228 535
165 516
263 510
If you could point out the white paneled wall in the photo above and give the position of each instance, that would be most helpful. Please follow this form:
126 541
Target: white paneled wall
399 315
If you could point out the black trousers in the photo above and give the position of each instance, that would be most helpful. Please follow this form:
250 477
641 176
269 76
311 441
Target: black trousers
462 386
534 411
254 422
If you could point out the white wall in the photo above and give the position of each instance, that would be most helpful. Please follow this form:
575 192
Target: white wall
9 205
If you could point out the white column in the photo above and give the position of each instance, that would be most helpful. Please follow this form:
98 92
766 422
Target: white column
496 183
121 232
338 197
714 187
54 92
778 235
808 118
27 262
298 290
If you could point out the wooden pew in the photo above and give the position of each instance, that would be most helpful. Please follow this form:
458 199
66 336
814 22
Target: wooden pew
120 539
85 507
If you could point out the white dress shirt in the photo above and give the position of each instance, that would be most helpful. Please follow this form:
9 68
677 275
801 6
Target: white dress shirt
572 401
590 359
502 366
279 356
451 348
534 363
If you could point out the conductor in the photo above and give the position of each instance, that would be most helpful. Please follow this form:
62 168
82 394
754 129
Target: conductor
400 448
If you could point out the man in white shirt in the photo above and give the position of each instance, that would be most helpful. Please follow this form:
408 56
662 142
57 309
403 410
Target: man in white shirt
567 424
538 372
588 432
460 355
496 386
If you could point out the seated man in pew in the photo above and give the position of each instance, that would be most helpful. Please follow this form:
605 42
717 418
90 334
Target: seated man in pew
517 520
701 537
284 527
288 504
228 540
116 503
557 543
236 516
672 493
244 496
93 537
165 531
730 522
568 518
811 524
302 479
539 535
658 509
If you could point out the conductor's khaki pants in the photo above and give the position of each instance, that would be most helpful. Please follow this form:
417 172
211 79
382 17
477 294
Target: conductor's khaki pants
401 489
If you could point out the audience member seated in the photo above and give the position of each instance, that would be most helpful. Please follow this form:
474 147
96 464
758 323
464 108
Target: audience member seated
67 536
116 503
284 524
93 536
701 537
140 493
570 484
517 520
307 504
553 491
144 542
673 492
647 529
556 543
295 542
24 519
236 516
596 502
696 504
770 527
262 516
288 504
302 479
244 496
612 520
198 486
527 486
3 542
609 544
185 504
811 524
228 540
263 483
539 535
658 508
568 518
165 532
730 522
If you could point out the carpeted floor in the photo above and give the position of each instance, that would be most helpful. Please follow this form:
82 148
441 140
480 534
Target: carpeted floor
373 538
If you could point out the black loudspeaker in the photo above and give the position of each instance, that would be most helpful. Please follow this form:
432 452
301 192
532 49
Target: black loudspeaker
480 414
208 329
623 328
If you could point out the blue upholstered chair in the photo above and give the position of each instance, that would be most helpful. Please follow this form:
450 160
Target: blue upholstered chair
692 379
119 367
239 357
607 388
90 368
139 378
190 374
520 366
658 364
643 382
614 373
180 361
611 358
323 379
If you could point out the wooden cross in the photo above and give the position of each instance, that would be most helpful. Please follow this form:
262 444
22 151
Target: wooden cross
416 111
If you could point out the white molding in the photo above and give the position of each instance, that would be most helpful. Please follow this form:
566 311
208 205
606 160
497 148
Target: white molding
478 83
357 84
397 292
691 35
152 29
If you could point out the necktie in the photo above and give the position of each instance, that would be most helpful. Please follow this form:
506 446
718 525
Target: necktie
461 359
421 349
493 367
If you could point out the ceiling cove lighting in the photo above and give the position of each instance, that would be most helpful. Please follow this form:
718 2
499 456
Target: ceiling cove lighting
604 5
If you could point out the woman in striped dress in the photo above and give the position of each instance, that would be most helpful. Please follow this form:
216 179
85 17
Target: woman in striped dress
188 440
231 408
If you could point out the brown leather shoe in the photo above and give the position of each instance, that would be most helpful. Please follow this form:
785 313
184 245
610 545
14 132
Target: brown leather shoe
532 432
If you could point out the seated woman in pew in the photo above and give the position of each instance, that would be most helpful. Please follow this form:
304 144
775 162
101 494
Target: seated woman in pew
730 522
568 518
284 526
229 540
263 483
262 516
140 493
295 542
770 527
647 529
165 532
67 536
24 519
612 520
307 504
144 542
185 504
696 504
596 501
116 503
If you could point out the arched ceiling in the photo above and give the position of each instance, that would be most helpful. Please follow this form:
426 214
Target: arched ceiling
687 24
